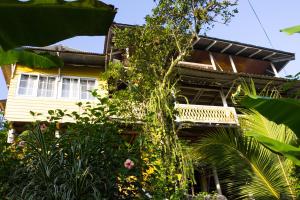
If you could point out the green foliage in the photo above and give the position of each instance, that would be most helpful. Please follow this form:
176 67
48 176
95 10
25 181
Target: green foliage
49 21
68 19
291 30
286 111
10 161
30 59
149 73
245 167
280 110
87 162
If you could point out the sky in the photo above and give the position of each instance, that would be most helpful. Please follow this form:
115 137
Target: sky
244 28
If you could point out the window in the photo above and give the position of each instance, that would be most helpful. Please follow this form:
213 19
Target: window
85 87
70 88
46 87
27 85
36 85
77 88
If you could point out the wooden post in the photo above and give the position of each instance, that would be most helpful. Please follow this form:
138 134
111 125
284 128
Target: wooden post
274 70
212 60
57 133
223 99
218 186
232 64
11 133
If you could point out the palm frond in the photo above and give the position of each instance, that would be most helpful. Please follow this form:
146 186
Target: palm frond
245 167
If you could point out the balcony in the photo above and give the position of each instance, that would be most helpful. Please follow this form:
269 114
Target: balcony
206 114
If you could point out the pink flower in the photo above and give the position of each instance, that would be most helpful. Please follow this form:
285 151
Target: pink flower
128 164
43 128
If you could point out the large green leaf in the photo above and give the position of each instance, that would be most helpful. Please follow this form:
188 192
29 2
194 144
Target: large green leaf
281 111
291 30
289 151
44 22
30 59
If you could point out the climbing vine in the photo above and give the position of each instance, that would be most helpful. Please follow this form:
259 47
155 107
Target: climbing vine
148 72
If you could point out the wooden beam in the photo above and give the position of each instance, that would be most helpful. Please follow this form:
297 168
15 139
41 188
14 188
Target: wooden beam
197 96
232 64
268 56
274 70
223 99
227 47
212 60
240 51
210 46
256 52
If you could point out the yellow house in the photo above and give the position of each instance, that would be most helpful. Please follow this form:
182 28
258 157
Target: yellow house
40 90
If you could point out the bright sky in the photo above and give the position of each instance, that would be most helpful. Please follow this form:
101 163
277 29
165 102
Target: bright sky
245 28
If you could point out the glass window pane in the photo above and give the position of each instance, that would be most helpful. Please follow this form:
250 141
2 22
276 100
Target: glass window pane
65 87
27 84
91 87
75 88
50 87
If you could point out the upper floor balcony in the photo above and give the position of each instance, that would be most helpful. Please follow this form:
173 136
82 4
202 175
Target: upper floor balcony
229 56
203 114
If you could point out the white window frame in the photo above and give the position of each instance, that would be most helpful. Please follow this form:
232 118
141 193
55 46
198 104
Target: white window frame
35 88
57 87
79 88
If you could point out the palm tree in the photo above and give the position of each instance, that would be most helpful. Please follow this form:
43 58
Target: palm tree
246 168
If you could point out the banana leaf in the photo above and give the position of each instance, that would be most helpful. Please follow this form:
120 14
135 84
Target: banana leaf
281 111
291 30
44 22
30 59
287 150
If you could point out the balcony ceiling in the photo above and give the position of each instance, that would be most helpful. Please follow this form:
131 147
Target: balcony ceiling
277 57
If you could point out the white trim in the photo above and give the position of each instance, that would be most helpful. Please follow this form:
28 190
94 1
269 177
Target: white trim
78 98
35 86
223 99
227 47
57 87
210 45
232 64
212 60
274 70
240 51
256 52
268 56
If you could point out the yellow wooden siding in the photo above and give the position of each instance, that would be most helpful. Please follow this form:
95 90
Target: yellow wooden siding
18 107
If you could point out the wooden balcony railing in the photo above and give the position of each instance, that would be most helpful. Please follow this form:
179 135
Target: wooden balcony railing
192 113
206 114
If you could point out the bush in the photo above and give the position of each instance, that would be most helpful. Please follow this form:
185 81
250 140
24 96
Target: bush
87 162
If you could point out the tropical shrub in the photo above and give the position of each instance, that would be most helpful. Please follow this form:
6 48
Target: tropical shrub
10 161
87 162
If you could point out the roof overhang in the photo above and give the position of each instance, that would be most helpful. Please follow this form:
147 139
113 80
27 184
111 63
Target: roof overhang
73 57
277 57
226 80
